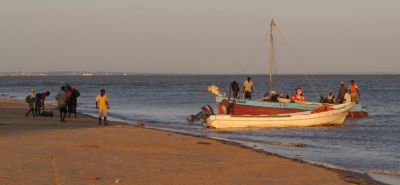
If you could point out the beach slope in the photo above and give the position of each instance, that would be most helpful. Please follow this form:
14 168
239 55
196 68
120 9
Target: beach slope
44 151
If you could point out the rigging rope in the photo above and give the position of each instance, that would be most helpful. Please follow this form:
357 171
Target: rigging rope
298 59
316 89
253 57
275 64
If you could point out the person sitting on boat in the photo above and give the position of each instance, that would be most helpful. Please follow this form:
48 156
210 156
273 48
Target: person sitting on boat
347 97
270 96
282 95
298 96
331 97
342 91
302 97
235 89
354 93
247 88
322 99
274 97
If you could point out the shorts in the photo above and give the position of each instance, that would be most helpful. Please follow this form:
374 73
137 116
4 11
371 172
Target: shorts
247 95
102 113
63 109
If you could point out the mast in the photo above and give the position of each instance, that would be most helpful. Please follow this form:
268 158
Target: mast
271 45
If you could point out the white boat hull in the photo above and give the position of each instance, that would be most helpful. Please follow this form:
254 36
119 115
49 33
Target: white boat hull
301 119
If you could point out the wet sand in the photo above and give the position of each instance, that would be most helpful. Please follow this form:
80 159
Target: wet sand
44 151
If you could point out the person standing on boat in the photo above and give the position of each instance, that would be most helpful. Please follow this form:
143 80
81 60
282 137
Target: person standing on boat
342 91
102 106
248 88
354 93
235 89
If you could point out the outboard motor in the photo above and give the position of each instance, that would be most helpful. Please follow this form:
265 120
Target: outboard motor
205 112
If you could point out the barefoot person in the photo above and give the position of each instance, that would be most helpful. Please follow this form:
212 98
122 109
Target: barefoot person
39 102
30 100
62 103
102 106
73 101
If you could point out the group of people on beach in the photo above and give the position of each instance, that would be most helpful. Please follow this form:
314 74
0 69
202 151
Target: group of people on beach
35 102
345 95
67 102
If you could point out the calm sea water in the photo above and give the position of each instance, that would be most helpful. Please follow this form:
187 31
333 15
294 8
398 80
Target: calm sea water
369 144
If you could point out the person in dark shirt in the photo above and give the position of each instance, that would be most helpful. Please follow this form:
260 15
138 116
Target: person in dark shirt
235 89
342 91
30 100
39 101
73 101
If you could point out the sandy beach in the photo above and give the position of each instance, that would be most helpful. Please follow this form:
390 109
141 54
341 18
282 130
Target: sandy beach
44 151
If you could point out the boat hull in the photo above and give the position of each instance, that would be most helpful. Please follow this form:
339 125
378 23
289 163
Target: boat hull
251 107
302 119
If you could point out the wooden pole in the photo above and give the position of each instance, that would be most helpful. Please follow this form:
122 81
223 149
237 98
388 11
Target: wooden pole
271 45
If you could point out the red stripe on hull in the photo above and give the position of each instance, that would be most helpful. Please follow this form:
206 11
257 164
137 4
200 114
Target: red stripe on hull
357 114
254 110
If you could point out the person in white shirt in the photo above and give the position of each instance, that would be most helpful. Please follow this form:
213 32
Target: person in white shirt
247 88
347 97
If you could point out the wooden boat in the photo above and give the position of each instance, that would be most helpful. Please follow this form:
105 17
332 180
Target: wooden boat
254 107
336 116
284 106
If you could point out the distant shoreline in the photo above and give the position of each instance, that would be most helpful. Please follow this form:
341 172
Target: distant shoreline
182 74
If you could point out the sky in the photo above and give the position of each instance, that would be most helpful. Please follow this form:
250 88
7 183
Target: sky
199 36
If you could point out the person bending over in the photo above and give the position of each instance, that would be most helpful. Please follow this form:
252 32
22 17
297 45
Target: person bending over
39 101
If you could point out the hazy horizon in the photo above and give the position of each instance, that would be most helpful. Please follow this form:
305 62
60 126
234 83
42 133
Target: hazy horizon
198 37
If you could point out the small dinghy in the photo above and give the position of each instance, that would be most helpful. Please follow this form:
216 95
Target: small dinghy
324 115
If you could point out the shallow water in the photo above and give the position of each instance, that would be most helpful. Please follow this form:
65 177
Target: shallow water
363 144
